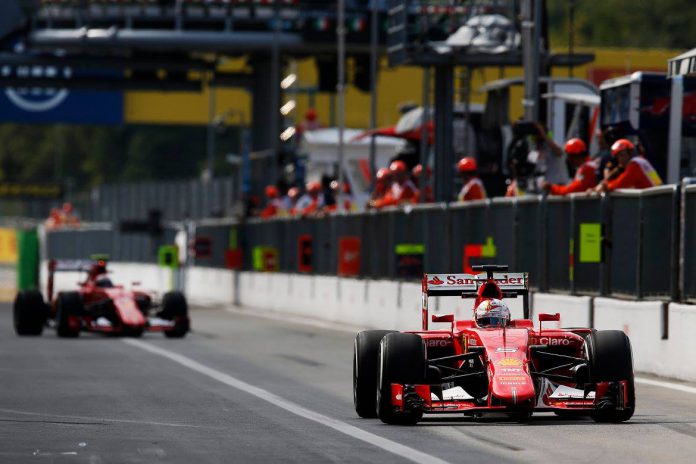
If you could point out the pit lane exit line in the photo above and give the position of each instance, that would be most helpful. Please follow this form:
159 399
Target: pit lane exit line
390 446
670 385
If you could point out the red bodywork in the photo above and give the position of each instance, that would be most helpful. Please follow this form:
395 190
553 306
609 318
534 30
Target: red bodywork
129 319
521 368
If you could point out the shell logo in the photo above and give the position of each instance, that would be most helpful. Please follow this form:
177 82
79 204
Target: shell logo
509 362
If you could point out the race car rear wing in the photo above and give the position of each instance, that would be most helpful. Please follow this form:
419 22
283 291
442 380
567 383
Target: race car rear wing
73 265
511 284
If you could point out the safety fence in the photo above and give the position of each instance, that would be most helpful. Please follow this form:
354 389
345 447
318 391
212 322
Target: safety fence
175 200
630 244
103 239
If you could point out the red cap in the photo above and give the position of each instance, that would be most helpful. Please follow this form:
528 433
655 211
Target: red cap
272 191
575 147
398 166
311 114
467 165
382 174
314 187
622 145
418 171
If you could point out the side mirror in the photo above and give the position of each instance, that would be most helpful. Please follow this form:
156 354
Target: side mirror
443 318
543 317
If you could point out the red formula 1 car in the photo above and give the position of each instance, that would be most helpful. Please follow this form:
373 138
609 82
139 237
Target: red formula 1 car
514 369
98 306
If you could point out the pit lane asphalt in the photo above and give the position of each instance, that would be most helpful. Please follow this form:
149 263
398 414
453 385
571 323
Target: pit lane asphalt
100 400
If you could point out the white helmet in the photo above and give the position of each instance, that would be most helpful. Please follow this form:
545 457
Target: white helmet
492 313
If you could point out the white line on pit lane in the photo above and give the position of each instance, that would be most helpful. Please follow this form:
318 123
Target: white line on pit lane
670 385
393 447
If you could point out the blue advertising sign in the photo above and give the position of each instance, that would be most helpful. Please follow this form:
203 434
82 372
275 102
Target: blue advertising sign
54 105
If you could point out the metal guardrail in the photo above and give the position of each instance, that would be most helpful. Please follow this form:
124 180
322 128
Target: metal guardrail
630 244
687 242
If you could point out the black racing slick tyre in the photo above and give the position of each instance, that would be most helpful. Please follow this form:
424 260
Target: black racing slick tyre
175 308
365 352
611 360
69 305
401 359
29 313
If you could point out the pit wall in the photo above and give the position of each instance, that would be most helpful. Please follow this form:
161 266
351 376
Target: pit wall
662 335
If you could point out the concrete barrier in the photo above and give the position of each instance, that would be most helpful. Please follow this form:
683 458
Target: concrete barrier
574 310
642 322
679 353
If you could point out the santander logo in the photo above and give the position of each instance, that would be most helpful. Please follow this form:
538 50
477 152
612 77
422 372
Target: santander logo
435 281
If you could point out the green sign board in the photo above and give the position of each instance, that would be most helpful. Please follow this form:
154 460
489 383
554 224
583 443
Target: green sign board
590 242
410 249
168 256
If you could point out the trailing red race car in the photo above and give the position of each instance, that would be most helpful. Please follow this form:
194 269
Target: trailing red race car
491 363
98 306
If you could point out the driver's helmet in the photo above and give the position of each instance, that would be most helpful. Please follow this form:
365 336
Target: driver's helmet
492 313
104 282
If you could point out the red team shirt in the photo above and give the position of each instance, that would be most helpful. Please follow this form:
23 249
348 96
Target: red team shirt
639 174
472 190
585 178
399 193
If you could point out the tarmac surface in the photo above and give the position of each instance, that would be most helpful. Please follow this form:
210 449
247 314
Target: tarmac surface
243 388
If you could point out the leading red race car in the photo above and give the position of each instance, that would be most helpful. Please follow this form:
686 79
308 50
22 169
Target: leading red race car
515 369
98 306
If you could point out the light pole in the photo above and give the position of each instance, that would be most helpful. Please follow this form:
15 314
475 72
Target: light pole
340 88
209 171
374 64
531 37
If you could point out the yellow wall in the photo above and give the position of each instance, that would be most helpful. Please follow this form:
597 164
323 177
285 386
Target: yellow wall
395 86
8 246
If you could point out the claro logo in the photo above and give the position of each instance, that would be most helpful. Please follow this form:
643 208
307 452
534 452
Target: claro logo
550 341
36 100
431 343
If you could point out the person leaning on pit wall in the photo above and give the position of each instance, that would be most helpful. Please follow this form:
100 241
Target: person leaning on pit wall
312 202
382 184
585 174
473 188
637 173
421 178
402 189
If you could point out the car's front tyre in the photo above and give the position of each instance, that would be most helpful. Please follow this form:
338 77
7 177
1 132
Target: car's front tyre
611 360
365 353
175 308
402 359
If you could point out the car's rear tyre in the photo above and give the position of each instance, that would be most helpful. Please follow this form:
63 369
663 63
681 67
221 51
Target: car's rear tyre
365 353
69 309
29 313
175 308
401 359
611 360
